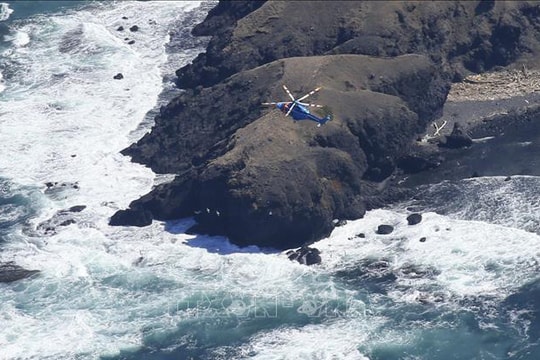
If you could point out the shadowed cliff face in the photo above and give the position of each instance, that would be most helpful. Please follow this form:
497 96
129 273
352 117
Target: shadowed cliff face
258 177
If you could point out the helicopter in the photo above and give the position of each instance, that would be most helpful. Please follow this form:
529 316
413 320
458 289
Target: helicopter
298 110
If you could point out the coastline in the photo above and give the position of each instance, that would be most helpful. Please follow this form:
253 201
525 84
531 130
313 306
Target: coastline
503 123
379 111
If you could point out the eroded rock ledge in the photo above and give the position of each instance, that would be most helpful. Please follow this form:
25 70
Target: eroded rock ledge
259 178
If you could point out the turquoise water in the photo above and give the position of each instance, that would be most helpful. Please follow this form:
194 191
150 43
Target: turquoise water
468 291
26 9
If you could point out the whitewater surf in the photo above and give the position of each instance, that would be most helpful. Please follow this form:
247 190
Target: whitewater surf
460 284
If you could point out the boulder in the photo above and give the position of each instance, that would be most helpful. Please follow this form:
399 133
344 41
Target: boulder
62 218
305 255
457 139
416 162
76 208
414 219
118 76
384 229
131 217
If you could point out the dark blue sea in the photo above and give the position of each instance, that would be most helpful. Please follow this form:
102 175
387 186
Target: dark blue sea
462 284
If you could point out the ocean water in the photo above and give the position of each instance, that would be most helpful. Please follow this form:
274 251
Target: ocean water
462 284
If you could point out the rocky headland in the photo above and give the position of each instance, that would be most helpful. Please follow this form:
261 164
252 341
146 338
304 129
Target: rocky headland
388 71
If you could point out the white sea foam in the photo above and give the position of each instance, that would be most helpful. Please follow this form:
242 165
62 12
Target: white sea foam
18 39
2 86
499 200
459 257
102 289
5 11
335 341
64 118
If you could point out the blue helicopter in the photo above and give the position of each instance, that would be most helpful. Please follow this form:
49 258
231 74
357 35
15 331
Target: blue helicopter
299 110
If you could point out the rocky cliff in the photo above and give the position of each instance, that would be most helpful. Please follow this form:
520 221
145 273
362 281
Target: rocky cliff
385 70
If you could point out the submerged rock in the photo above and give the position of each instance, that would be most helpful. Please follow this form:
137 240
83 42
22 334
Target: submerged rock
10 272
60 219
374 274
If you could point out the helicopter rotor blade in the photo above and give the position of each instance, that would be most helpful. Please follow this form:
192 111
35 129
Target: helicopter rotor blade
312 105
290 109
288 92
269 103
310 93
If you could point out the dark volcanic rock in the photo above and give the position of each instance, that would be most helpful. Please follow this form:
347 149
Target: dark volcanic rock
131 217
118 76
339 223
72 40
134 28
459 36
414 219
76 208
269 181
457 139
374 274
54 186
10 272
420 158
207 68
276 182
305 255
384 229
60 219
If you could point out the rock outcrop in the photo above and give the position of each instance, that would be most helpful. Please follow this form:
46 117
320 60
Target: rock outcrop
460 36
256 176
385 69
